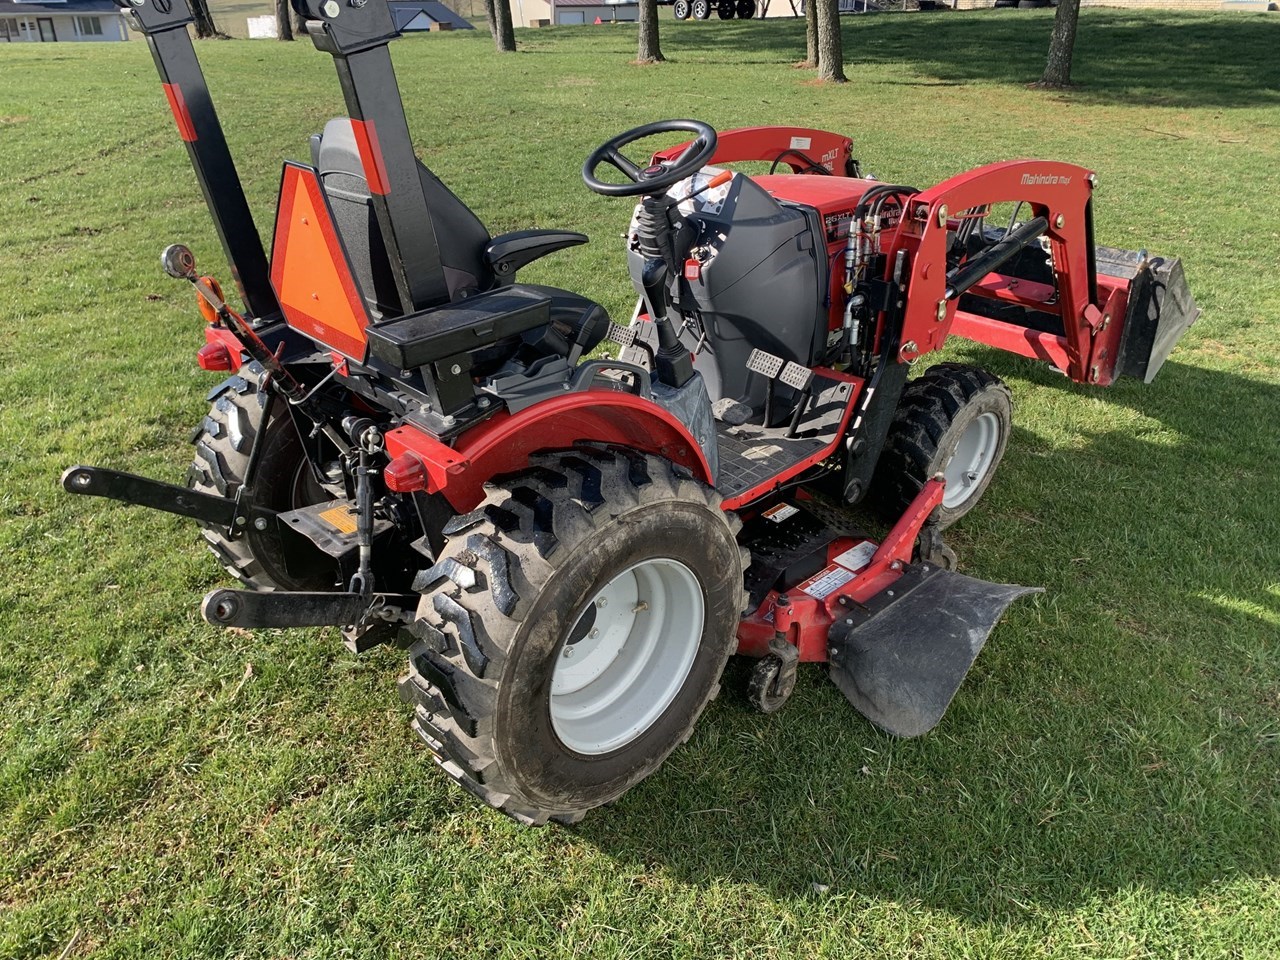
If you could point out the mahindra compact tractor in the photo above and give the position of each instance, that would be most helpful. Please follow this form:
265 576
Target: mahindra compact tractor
571 523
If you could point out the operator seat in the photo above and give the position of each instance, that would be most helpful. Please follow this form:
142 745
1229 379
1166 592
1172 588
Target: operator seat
473 261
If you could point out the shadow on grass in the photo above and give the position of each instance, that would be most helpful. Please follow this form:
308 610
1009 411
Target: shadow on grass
1118 734
1120 57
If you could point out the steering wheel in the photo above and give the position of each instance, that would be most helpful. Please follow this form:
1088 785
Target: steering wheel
653 179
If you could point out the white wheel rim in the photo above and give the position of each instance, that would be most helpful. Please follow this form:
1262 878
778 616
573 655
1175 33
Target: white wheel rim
975 453
632 648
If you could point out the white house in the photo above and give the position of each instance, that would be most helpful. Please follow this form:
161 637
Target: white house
50 21
538 13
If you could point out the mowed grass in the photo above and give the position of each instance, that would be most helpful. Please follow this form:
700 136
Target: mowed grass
1107 782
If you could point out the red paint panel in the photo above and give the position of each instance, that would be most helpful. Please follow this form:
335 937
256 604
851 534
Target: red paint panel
805 620
375 170
1025 293
830 150
178 104
1023 341
506 441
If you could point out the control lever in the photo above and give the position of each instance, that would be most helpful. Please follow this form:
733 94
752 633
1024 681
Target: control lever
180 263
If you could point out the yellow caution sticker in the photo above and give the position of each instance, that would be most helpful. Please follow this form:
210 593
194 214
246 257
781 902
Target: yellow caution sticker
341 518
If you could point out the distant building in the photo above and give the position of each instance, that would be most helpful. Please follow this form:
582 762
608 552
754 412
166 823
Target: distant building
60 21
413 15
550 13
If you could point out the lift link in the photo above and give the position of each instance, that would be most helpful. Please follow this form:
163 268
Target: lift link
368 441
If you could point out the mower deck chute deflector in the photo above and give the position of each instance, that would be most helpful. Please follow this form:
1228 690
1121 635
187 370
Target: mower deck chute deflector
901 658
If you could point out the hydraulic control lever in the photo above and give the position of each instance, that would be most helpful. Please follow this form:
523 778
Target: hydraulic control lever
673 364
180 263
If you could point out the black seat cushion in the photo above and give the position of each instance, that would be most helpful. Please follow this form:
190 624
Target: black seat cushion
461 235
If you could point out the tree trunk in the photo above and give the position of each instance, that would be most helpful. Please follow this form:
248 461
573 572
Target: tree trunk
491 17
830 49
649 51
284 29
299 24
1057 71
206 29
505 36
811 33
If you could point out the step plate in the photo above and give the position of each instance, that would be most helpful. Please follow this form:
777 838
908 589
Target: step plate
751 455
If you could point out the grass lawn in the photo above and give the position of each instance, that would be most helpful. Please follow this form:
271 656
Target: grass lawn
1107 783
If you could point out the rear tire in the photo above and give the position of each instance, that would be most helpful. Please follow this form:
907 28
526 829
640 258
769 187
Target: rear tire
726 9
223 441
954 420
746 9
680 9
701 9
520 584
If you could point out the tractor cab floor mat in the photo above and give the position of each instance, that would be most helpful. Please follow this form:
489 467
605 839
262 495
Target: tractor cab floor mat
751 454
901 659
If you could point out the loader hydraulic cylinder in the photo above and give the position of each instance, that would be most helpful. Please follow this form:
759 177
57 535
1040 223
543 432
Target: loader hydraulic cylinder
995 256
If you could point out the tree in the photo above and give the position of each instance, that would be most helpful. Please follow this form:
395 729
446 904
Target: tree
206 29
299 23
284 29
810 34
830 49
1057 71
649 51
504 36
491 17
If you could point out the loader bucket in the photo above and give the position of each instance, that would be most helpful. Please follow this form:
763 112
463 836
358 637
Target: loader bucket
901 663
1160 309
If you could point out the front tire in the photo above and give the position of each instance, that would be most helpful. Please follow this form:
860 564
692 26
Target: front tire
573 630
680 9
701 9
953 420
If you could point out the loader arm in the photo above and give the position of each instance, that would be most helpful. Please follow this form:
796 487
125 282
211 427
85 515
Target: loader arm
1061 193
1120 322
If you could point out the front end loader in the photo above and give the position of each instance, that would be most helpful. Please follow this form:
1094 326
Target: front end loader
571 523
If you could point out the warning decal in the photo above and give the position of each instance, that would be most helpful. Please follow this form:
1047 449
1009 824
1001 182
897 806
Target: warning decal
780 512
341 519
857 556
827 582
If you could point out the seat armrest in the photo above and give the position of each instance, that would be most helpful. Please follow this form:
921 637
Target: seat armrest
511 251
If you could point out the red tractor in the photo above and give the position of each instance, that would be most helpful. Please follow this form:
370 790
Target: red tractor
571 544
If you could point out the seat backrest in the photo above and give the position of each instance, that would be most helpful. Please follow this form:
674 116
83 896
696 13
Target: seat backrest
460 234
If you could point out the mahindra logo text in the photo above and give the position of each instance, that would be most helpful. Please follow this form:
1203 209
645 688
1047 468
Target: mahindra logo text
1043 179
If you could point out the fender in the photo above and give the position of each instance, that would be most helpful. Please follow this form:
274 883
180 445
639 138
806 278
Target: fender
505 442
